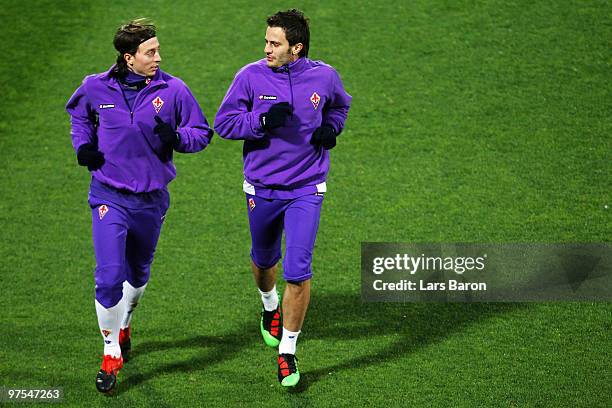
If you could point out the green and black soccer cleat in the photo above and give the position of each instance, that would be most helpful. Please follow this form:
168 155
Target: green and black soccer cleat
107 376
271 326
288 373
125 342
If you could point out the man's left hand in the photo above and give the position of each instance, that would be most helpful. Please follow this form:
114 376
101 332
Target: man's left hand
324 136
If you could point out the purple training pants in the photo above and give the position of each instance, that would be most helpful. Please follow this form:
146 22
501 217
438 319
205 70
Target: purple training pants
125 236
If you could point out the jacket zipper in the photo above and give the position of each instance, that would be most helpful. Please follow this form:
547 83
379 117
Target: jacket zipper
290 89
128 104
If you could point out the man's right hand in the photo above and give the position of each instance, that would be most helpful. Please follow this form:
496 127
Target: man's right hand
276 115
88 155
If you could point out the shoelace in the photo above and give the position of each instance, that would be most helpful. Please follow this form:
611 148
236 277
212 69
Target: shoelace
268 317
291 362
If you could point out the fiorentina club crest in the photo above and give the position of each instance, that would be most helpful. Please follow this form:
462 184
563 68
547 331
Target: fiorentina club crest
157 104
315 99
251 204
102 210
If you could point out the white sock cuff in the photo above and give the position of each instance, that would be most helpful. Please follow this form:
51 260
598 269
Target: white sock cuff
134 290
288 342
269 299
131 297
267 294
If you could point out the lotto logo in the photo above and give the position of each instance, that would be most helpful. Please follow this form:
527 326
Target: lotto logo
251 204
315 99
157 104
102 210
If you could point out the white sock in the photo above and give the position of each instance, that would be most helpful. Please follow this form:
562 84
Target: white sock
269 299
287 344
109 321
131 297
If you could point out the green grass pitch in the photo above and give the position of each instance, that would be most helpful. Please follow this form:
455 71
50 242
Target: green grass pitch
472 121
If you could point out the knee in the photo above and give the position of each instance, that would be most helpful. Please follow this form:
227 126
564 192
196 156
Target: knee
139 275
109 285
109 295
297 265
265 258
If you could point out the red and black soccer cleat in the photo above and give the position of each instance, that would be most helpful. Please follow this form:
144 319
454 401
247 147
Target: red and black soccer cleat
107 376
288 373
271 326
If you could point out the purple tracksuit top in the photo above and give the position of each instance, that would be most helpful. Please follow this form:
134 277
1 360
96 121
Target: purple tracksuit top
135 157
281 163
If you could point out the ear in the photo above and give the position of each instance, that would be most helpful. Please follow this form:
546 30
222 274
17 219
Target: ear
297 48
128 58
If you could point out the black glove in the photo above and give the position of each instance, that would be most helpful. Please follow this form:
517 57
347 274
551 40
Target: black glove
166 133
324 136
88 155
276 115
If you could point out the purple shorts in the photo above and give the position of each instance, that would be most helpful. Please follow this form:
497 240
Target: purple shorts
299 218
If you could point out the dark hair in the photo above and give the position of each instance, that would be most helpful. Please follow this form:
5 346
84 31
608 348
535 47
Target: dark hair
295 25
127 40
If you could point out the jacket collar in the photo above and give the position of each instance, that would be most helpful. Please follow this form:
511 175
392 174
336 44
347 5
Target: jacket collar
112 82
294 67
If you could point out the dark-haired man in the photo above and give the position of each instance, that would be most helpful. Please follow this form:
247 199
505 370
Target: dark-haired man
289 110
125 125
